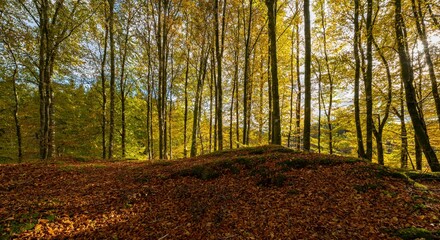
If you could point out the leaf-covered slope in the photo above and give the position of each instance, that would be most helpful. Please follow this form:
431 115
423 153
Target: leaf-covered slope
252 193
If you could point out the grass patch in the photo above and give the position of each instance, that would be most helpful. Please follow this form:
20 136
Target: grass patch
423 176
382 172
4 160
21 224
70 168
416 233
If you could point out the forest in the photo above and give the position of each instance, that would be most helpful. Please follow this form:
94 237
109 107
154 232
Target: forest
167 79
219 119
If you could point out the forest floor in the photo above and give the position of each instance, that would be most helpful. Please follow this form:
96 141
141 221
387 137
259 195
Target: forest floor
253 193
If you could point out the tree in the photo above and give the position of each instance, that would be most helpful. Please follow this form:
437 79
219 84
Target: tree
276 120
407 75
307 77
112 77
360 142
219 43
13 80
421 31
56 22
369 81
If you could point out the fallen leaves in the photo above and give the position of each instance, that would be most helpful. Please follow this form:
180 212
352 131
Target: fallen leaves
320 197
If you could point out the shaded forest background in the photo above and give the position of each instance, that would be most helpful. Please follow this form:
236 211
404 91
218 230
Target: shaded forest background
174 78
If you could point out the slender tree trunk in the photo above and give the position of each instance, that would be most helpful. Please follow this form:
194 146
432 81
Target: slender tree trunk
247 80
330 79
211 97
378 132
298 94
276 120
104 92
403 131
260 105
16 103
369 81
410 93
112 78
122 85
234 96
16 114
319 106
292 47
307 76
360 142
219 40
421 31
185 114
197 101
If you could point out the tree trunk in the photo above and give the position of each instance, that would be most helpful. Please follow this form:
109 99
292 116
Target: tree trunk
360 142
219 43
298 85
369 80
292 47
197 101
112 79
247 80
122 89
104 93
16 103
330 79
421 31
276 120
185 114
410 94
307 80
378 132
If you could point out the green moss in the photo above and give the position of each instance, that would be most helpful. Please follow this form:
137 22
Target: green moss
434 176
416 233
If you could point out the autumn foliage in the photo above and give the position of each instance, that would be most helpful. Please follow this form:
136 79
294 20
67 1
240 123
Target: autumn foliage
253 193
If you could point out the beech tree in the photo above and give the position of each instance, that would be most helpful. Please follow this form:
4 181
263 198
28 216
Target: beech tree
410 93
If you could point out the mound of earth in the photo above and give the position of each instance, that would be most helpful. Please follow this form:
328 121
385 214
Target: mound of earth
267 192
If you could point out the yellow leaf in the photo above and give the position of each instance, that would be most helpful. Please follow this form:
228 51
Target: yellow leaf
37 228
50 230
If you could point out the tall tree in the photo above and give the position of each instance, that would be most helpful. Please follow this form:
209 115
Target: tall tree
276 120
407 75
247 80
112 77
369 81
307 77
378 131
357 33
13 79
56 22
327 112
104 86
219 43
421 31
